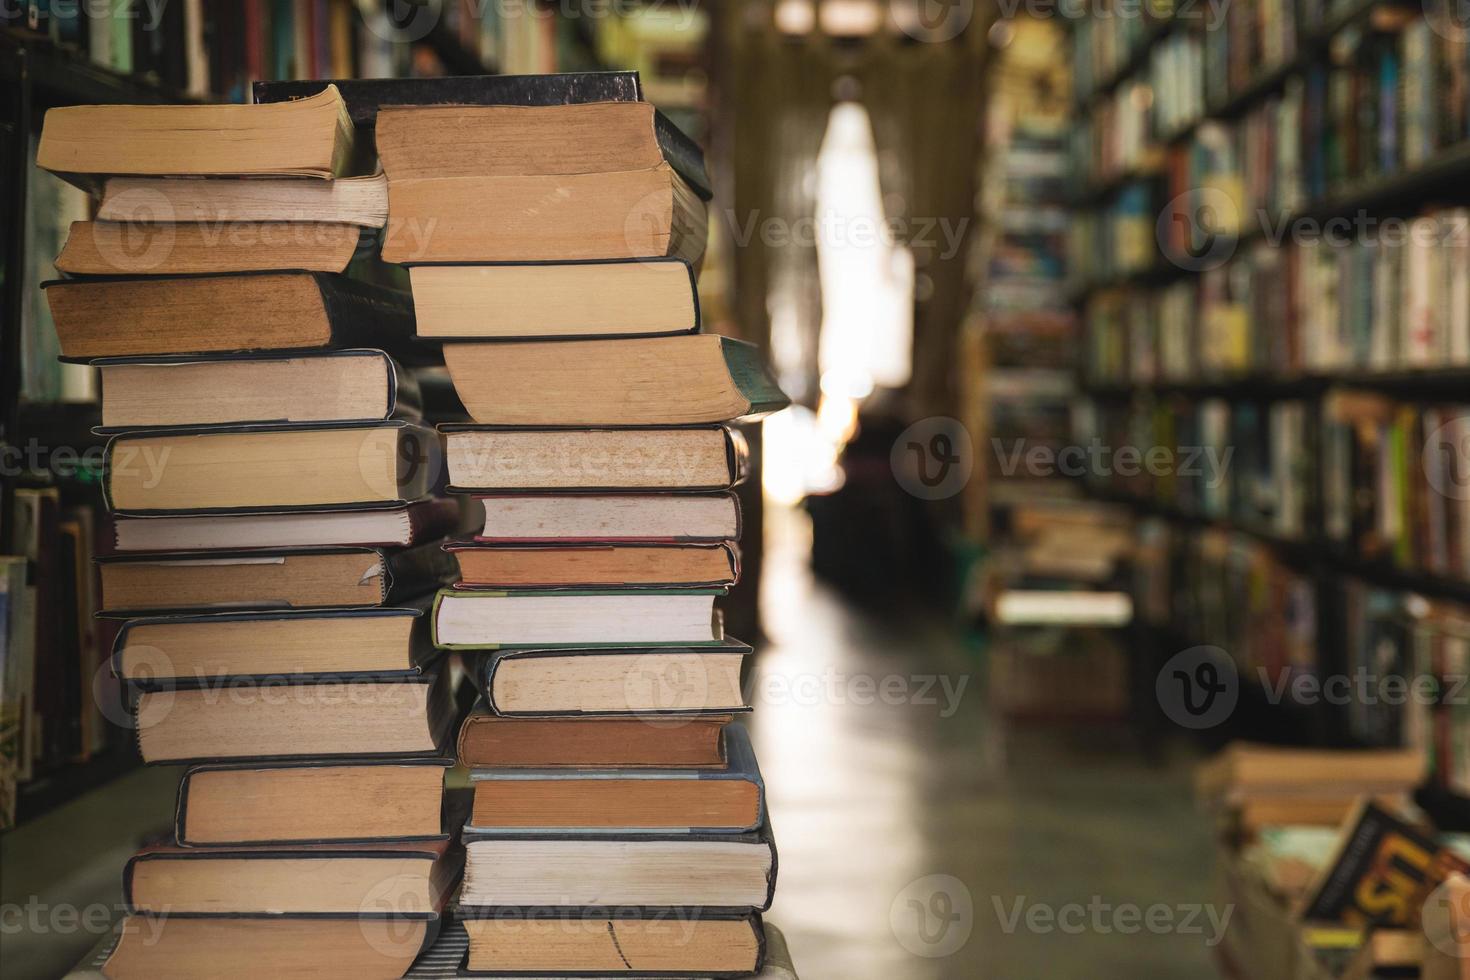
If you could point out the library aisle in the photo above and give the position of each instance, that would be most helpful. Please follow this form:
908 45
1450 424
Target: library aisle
874 797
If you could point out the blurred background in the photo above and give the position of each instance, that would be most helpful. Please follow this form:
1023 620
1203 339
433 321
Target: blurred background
1101 438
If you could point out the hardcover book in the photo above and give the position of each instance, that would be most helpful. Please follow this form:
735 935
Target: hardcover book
637 742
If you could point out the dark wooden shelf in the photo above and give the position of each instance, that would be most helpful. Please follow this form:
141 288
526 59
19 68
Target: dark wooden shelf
63 76
1444 382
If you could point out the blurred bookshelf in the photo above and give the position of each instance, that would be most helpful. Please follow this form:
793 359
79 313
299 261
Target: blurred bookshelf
1240 293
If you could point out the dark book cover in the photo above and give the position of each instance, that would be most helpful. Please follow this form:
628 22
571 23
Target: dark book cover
1383 873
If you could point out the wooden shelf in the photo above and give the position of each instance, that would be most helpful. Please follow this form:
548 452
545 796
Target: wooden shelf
45 793
1446 382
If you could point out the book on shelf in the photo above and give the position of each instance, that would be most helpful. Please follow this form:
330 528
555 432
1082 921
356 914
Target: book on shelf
727 800
104 248
343 801
491 740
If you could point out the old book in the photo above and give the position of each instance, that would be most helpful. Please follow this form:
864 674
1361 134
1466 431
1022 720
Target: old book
325 467
314 579
311 137
516 141
735 872
697 458
688 742
721 800
311 802
195 649
339 386
1249 772
1382 875
596 566
604 681
400 526
626 215
401 880
445 959
347 948
366 98
533 300
686 380
359 201
644 944
468 620
277 311
620 517
408 716
106 248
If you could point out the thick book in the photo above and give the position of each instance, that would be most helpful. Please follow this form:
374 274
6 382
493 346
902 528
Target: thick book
445 959
296 579
311 802
269 468
690 380
630 214
519 141
399 526
391 880
1382 875
107 248
338 948
360 201
485 620
366 98
611 566
638 945
256 389
487 739
166 651
495 460
602 681
244 311
409 716
581 518
311 137
733 872
728 800
556 300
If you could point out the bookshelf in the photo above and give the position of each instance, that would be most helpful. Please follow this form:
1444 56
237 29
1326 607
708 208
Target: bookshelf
1400 179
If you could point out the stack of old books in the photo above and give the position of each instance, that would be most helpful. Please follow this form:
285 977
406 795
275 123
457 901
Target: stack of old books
619 822
277 533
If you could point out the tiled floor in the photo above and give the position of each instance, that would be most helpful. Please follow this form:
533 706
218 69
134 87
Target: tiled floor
872 797
880 778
